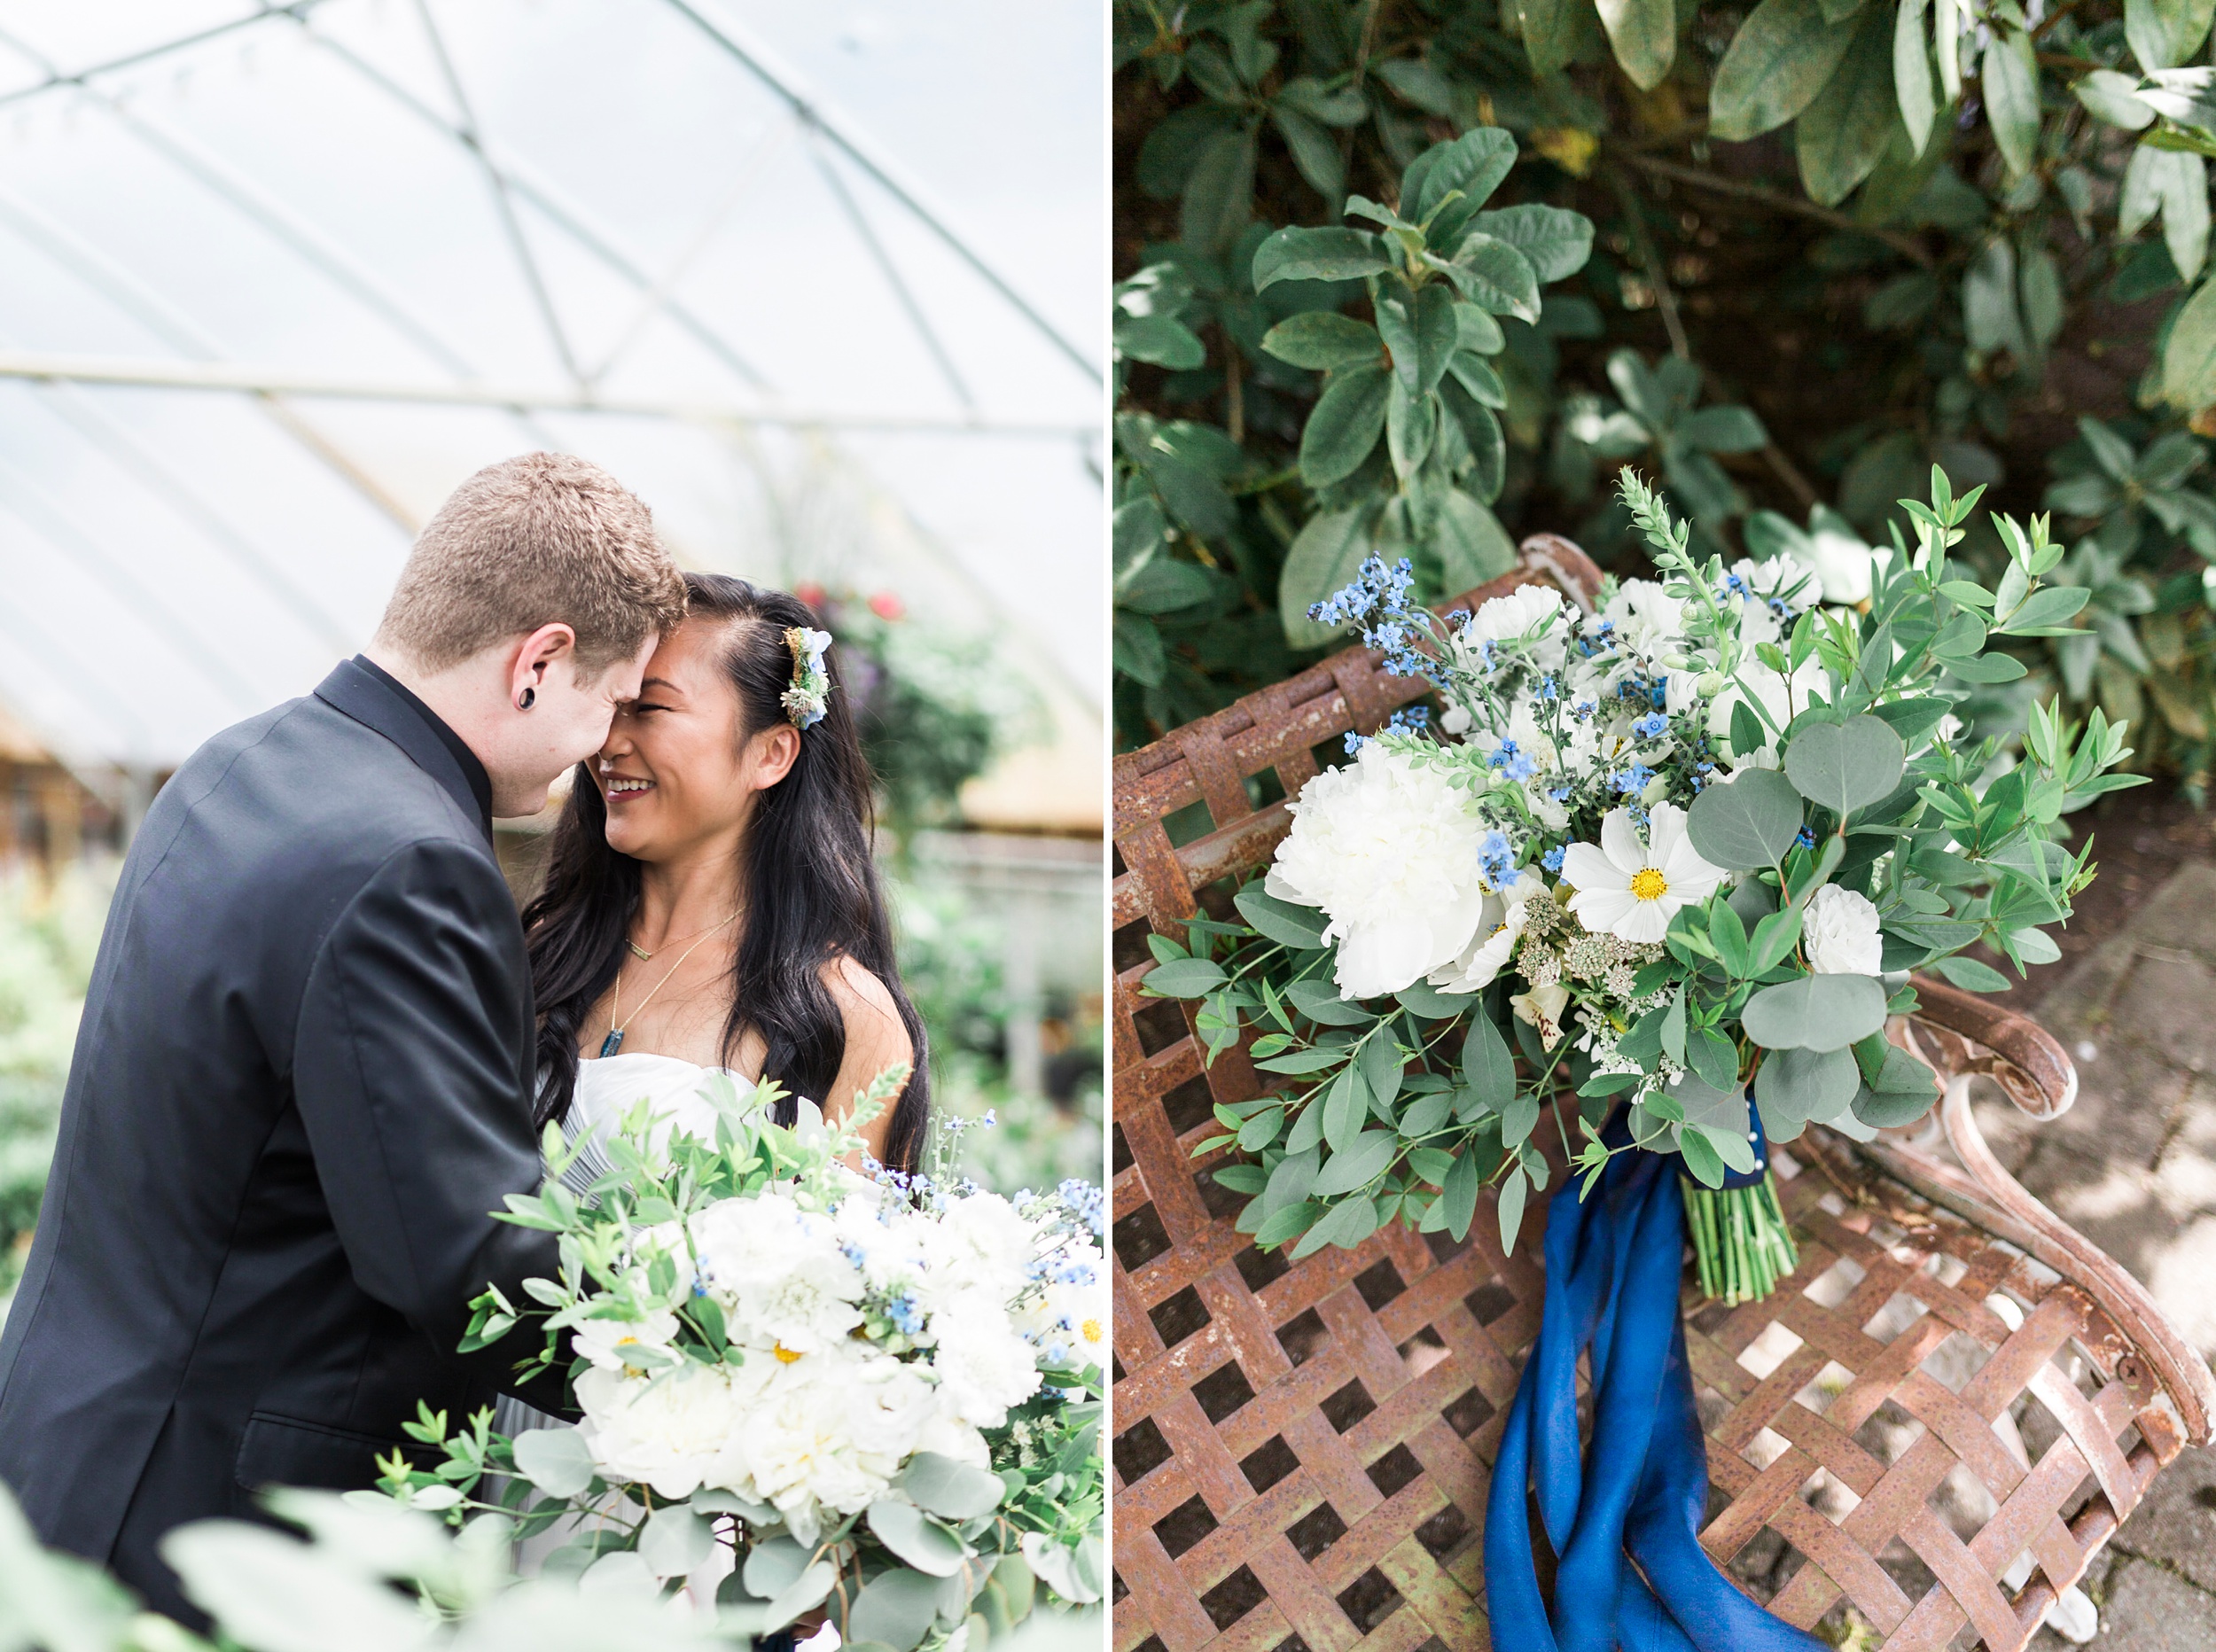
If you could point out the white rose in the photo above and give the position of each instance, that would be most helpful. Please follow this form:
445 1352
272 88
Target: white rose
674 1431
778 1274
1841 933
1390 852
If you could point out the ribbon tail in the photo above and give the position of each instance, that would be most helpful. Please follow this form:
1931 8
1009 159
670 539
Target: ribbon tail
1663 1534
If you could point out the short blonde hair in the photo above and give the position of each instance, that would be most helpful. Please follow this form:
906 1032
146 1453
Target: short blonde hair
536 539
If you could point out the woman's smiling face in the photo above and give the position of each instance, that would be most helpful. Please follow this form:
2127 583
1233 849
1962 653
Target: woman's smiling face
678 771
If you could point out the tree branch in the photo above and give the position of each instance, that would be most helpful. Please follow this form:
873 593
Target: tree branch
1693 177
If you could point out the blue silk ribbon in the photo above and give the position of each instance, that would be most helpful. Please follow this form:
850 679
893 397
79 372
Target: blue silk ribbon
1624 1513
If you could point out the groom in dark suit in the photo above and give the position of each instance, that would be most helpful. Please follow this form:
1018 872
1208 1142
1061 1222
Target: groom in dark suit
303 1077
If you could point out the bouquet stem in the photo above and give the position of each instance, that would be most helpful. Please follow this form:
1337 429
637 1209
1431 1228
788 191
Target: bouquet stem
1741 1243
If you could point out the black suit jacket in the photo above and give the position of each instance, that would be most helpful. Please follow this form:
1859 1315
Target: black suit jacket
300 1085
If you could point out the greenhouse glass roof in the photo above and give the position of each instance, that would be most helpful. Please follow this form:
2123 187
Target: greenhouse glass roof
819 283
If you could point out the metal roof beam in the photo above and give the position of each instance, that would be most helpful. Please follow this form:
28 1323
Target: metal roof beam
179 330
223 376
57 77
811 109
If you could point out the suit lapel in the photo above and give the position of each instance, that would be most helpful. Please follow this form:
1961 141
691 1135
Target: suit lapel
359 695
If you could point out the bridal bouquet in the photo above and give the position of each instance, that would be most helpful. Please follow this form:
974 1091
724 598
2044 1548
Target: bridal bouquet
1667 863
805 1387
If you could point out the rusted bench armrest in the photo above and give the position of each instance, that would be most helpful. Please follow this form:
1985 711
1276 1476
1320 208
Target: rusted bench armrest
1961 1035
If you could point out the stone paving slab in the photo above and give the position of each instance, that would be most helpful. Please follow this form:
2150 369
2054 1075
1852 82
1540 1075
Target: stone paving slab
2133 1167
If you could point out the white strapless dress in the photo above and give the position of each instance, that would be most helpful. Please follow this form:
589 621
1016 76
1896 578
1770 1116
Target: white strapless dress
679 1096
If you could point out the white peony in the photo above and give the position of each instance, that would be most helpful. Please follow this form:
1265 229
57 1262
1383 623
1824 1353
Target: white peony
613 1344
675 1432
1645 615
1520 615
1495 939
984 1366
1840 932
1389 851
1631 890
778 1273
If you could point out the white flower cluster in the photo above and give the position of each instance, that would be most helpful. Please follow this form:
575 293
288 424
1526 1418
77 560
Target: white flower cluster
862 1329
1422 855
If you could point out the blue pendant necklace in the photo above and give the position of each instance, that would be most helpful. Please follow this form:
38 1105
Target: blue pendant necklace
614 1042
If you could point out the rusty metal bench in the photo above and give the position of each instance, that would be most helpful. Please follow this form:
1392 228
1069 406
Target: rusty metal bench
1953 1377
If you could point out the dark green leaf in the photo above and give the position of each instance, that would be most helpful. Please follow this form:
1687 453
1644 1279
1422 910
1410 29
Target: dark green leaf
1332 253
1495 276
2164 33
1347 419
1777 63
1324 340
1474 163
1220 195
1644 33
2011 88
1325 557
1183 978
1841 136
1487 1067
1282 921
1556 241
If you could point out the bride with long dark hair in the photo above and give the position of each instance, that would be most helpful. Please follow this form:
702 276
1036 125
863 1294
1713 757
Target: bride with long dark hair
710 902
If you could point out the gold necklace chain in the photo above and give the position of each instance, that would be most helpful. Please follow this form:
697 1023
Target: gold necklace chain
667 943
617 1021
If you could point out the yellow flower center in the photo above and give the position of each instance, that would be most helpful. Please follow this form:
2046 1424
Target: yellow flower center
1090 1330
1649 885
785 1356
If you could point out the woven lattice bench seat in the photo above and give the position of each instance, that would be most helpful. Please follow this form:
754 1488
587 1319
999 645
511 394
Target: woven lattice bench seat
1953 1379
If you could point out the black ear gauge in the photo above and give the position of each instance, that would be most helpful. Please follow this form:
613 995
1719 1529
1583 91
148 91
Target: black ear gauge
530 698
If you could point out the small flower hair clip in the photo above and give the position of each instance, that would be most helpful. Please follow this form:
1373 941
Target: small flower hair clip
809 697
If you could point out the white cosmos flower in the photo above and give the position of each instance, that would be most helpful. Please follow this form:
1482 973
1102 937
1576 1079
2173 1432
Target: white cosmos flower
1495 938
1842 934
1389 851
1631 890
614 1345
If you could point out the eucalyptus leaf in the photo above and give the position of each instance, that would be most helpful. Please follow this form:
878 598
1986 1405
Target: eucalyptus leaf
894 1608
1844 766
948 1487
1746 823
1817 1012
1794 1086
905 1530
555 1459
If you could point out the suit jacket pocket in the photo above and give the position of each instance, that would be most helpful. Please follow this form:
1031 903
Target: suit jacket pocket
286 1451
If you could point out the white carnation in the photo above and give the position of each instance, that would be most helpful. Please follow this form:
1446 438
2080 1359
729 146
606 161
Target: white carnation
1389 851
778 1274
673 1432
1841 933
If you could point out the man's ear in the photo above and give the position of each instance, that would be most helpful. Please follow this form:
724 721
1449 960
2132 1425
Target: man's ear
776 749
528 667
